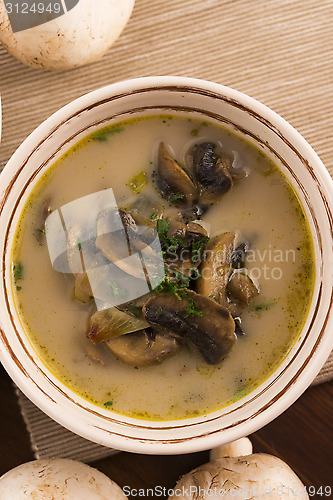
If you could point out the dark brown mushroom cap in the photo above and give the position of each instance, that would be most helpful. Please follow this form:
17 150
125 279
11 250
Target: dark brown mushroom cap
211 171
172 178
143 348
211 329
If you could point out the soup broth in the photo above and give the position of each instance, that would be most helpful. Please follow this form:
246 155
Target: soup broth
271 250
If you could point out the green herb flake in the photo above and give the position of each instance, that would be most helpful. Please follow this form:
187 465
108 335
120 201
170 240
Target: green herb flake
108 404
114 288
195 274
184 280
162 227
197 249
176 196
18 271
138 182
158 312
171 288
153 216
214 297
263 307
103 134
18 288
191 310
79 244
135 310
41 231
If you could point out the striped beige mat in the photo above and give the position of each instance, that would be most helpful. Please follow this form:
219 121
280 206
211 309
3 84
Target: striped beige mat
278 51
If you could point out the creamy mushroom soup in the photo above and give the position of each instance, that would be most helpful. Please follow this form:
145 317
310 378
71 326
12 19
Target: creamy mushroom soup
163 267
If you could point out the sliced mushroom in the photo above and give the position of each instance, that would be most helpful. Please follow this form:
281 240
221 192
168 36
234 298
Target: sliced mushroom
139 302
216 269
196 318
82 256
177 229
239 254
173 180
180 256
143 348
115 230
242 287
142 208
82 289
112 322
211 171
96 353
192 212
196 230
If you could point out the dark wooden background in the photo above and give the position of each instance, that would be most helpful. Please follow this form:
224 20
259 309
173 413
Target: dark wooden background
302 436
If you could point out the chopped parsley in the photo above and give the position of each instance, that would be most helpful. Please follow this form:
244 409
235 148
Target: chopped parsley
18 271
263 307
162 227
181 292
169 244
176 196
197 249
117 291
191 309
194 272
153 216
135 310
79 244
103 134
184 280
171 288
158 312
108 404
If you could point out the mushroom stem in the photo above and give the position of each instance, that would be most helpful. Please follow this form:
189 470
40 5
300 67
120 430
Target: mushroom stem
239 448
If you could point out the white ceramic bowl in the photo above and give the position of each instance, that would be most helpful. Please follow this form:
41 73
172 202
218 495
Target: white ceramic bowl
305 172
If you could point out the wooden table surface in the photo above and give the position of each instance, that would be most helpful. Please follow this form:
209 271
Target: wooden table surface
302 436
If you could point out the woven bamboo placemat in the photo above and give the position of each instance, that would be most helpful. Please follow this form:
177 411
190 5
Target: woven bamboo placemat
278 51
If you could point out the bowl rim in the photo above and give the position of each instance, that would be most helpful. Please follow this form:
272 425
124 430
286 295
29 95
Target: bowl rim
236 98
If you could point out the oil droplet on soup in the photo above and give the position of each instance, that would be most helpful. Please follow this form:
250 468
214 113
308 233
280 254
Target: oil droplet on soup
182 275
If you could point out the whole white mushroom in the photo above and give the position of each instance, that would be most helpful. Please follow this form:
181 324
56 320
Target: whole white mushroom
234 472
79 37
59 479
